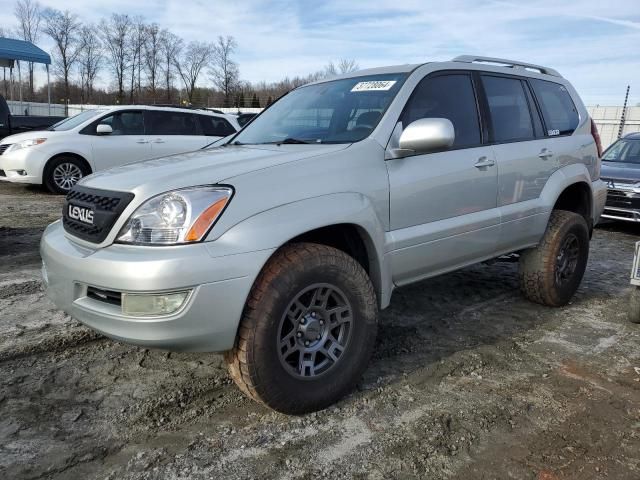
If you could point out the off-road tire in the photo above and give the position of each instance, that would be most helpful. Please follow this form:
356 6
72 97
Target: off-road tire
538 265
47 176
634 305
254 362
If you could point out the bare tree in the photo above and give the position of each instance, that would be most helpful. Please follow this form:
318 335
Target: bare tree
90 59
190 64
344 65
136 44
29 16
115 33
152 56
170 48
225 72
63 28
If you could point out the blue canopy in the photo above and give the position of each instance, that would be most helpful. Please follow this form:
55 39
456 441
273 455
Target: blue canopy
12 49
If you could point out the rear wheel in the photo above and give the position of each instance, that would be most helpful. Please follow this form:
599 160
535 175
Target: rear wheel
62 173
551 272
308 329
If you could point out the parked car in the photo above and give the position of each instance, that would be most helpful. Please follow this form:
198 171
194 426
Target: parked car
106 137
12 124
280 246
621 172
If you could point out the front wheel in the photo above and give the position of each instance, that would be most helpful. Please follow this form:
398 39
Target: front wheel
307 331
63 173
551 273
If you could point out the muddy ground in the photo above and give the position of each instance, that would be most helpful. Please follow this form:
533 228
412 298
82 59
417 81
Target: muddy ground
468 381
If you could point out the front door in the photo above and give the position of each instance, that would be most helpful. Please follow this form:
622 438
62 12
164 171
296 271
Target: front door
126 144
443 204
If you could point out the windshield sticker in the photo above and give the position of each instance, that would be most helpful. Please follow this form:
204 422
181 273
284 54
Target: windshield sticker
378 85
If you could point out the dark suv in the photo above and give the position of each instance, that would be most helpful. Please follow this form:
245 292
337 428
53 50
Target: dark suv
621 171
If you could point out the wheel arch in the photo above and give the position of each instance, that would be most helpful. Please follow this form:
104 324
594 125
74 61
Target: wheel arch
346 221
77 156
577 198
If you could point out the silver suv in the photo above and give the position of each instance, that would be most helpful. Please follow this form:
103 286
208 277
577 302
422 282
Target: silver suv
280 246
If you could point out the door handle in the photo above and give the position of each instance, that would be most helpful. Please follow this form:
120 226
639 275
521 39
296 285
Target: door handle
544 154
158 140
142 140
484 162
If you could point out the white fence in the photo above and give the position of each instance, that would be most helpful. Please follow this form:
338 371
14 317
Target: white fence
607 118
608 121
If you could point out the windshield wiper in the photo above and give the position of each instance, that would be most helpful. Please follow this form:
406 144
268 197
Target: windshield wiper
290 140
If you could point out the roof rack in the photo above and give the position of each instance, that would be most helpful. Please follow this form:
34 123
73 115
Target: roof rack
507 63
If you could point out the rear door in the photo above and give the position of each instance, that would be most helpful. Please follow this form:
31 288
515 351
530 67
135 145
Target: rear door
127 143
174 132
215 128
443 204
525 159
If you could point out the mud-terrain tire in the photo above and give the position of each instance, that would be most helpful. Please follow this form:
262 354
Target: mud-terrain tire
61 168
634 305
307 297
551 272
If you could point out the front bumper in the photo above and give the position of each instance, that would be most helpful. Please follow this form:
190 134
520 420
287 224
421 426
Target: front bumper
30 160
209 320
623 203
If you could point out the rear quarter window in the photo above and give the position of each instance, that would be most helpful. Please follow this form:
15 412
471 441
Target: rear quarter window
559 111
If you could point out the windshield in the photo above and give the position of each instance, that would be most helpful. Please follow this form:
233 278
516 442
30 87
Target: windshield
338 111
623 151
72 122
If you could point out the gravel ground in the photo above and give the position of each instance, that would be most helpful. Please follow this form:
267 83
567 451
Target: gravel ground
468 380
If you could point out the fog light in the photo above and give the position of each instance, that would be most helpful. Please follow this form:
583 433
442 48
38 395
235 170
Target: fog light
21 172
144 305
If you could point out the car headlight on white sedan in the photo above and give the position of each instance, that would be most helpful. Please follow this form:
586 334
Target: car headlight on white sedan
31 142
176 217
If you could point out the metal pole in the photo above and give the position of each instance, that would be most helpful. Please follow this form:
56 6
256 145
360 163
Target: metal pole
48 90
20 87
624 113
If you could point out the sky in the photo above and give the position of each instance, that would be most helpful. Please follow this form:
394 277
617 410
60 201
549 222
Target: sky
593 43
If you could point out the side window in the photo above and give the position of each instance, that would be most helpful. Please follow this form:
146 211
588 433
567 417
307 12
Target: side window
446 96
125 123
508 107
215 126
559 111
172 123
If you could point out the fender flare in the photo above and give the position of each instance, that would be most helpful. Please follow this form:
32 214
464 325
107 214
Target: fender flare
273 228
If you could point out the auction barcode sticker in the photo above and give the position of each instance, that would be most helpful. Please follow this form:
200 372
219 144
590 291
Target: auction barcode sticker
378 85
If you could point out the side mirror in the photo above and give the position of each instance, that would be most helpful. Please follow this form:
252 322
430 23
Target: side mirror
104 129
426 135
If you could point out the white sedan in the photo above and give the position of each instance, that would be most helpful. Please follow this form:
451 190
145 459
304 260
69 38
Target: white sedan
103 138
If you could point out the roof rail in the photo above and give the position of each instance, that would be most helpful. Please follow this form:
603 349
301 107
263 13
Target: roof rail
507 63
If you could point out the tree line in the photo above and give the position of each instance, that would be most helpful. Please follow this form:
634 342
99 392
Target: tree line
124 60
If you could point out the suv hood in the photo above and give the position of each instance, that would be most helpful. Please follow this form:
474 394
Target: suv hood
203 167
620 171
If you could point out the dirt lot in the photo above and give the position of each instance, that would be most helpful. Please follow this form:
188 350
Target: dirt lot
468 381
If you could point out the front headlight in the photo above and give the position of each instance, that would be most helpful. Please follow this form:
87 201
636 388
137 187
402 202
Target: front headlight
180 216
26 143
